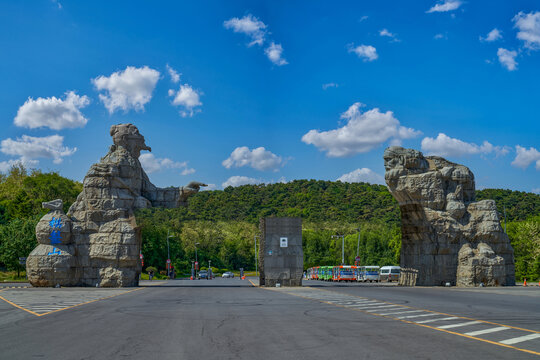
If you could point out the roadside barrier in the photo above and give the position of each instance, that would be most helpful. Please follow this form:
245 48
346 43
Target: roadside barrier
407 277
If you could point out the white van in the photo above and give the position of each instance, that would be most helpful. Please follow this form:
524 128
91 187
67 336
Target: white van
389 273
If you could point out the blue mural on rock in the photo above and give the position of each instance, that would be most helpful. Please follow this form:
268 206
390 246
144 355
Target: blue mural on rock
56 225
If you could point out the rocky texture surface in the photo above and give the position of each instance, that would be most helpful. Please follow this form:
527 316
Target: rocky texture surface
443 226
105 239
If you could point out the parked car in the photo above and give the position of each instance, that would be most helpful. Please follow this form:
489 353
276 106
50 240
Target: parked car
203 274
227 274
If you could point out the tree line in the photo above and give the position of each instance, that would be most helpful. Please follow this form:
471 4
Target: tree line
220 225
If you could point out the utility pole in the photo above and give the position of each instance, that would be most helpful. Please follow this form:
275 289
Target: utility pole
342 247
358 245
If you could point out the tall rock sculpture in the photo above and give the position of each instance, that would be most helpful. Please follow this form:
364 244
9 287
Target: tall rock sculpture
104 233
446 235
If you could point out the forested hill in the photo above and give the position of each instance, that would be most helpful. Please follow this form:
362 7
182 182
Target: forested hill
21 194
318 201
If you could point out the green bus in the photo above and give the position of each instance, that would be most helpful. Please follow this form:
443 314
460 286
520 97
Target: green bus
325 273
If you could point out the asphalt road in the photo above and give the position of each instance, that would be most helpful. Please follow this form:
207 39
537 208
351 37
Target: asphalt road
231 319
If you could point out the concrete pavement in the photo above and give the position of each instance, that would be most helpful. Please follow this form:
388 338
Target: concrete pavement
231 319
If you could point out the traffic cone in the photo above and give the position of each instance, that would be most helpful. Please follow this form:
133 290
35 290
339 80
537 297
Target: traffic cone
191 277
524 282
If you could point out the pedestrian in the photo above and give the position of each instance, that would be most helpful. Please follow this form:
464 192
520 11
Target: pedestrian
151 274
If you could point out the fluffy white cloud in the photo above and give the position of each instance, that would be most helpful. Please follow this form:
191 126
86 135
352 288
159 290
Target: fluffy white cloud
362 175
273 52
30 148
259 158
249 25
365 52
362 133
446 5
446 146
329 85
235 181
175 76
53 112
187 98
188 171
493 35
529 29
525 157
5 166
386 33
507 59
152 164
128 89
439 36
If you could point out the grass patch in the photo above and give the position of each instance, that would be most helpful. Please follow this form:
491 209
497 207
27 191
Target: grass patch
11 276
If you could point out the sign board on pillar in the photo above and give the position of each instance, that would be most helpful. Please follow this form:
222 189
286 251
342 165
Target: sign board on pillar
283 242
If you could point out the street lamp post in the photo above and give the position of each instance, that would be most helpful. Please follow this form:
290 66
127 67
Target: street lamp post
168 255
358 245
342 247
256 256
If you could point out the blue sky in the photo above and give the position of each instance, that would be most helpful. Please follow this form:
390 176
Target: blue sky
240 91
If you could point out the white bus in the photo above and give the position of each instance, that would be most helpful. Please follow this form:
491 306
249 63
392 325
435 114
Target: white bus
389 273
368 273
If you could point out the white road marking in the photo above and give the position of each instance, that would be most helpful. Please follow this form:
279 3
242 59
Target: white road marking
520 339
402 312
413 316
433 320
385 308
451 326
487 331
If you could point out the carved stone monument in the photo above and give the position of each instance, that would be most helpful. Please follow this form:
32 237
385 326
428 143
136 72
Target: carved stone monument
99 238
446 235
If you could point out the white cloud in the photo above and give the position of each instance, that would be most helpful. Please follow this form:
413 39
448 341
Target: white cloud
529 29
152 164
30 148
259 158
362 175
175 76
386 33
493 35
188 98
329 85
507 59
188 171
365 17
5 166
446 146
536 191
446 5
128 89
249 25
57 4
525 157
273 52
54 113
235 181
439 36
362 133
365 52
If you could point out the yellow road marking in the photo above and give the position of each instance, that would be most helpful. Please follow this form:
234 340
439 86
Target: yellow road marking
423 325
68 307
252 283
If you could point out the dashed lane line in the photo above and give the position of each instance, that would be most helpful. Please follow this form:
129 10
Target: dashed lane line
41 309
337 299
